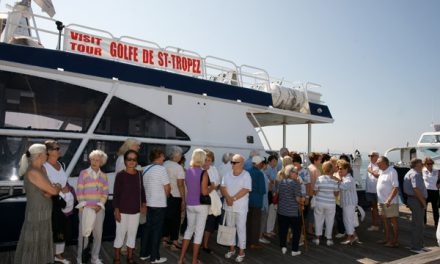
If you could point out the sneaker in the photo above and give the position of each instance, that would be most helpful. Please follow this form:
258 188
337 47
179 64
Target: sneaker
426 249
373 228
161 260
239 258
340 235
417 251
283 250
64 261
330 242
315 241
296 253
230 254
97 261
264 241
145 258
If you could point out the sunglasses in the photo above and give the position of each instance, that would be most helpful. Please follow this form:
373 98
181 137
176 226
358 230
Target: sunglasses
57 149
235 162
429 163
129 159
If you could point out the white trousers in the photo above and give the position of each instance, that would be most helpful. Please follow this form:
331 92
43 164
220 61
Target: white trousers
196 218
271 217
324 213
238 219
128 226
97 236
59 248
348 214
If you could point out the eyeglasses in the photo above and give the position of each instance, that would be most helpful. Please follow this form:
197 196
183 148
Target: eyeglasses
372 156
430 164
235 162
341 168
57 149
129 159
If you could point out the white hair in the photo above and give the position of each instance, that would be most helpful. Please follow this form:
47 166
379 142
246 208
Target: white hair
99 153
174 151
129 142
226 157
30 155
253 153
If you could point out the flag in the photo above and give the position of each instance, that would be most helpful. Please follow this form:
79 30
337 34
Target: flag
46 6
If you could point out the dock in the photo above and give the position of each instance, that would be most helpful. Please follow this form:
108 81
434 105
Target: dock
367 252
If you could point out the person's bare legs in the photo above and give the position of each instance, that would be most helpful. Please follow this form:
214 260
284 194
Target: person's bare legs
374 214
185 245
206 236
196 249
395 230
386 229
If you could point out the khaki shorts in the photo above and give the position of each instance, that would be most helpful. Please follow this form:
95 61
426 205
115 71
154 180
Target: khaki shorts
388 212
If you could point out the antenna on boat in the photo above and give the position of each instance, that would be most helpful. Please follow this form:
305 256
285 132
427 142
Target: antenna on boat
60 27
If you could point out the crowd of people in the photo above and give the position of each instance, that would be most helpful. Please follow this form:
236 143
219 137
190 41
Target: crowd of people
256 196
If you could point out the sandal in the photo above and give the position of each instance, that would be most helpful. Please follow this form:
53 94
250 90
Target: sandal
382 241
117 261
392 245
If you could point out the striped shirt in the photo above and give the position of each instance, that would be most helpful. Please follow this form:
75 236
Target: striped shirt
348 191
325 187
305 178
155 178
92 188
288 191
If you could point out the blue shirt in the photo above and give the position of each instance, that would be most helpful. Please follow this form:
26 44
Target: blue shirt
412 180
247 165
258 188
272 175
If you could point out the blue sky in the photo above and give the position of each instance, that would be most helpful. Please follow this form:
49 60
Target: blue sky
378 61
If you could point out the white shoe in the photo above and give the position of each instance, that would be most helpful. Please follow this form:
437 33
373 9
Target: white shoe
373 228
64 261
316 241
239 258
283 250
264 241
161 260
340 235
98 261
296 253
145 258
230 254
330 242
417 251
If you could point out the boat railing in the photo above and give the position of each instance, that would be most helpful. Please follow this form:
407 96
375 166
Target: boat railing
212 68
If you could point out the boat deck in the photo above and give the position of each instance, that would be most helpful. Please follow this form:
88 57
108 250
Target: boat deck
366 252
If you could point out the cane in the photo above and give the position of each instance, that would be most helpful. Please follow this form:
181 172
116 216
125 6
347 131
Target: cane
303 228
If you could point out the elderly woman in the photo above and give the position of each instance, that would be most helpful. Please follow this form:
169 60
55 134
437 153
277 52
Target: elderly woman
176 200
290 201
348 200
128 202
92 192
35 244
62 203
431 179
325 190
197 184
129 144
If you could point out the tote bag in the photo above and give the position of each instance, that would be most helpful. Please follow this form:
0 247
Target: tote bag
226 234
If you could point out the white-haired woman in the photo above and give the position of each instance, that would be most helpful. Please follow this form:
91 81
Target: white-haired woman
36 243
92 192
176 200
129 144
196 181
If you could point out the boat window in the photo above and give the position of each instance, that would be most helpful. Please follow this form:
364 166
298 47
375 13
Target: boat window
12 148
111 148
125 119
29 102
430 139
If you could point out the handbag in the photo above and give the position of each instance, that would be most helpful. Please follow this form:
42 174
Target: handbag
204 199
226 234
142 217
275 198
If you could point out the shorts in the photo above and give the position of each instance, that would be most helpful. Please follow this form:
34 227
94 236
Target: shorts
371 197
389 212
211 223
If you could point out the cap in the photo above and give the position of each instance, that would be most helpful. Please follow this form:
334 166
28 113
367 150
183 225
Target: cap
257 159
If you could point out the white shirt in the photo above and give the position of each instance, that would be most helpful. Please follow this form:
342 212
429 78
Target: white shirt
175 172
223 169
154 181
430 179
213 175
56 176
387 180
233 185
371 181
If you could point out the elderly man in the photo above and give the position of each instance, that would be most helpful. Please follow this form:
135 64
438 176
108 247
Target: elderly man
255 202
414 187
370 189
387 189
235 188
248 162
